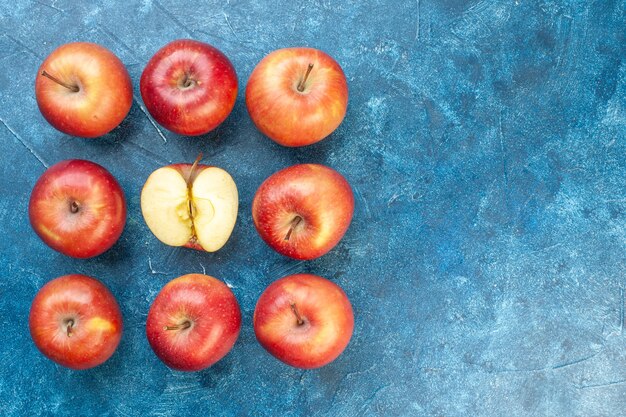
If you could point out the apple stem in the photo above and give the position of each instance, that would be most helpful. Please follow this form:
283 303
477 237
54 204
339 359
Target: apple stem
193 169
190 205
71 87
187 81
298 316
296 221
184 325
303 80
70 324
74 207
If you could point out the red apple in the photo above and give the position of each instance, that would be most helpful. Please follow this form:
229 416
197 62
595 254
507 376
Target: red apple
303 211
75 321
304 320
193 322
190 205
189 87
297 96
83 89
77 208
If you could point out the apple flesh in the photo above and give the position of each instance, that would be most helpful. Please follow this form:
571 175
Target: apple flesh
193 322
189 87
83 89
75 321
303 211
190 205
77 208
304 320
297 96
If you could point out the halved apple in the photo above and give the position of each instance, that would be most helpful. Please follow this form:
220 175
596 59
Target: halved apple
190 205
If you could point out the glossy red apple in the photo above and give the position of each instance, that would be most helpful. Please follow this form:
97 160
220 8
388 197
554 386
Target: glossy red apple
191 205
83 89
75 321
303 211
297 96
193 322
189 87
78 208
304 320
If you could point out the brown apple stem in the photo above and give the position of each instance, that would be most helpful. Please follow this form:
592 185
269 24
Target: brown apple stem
71 87
187 81
74 207
297 314
193 170
184 325
296 221
190 205
70 324
303 80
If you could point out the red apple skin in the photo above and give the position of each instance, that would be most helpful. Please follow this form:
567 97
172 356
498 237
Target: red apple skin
319 195
96 317
105 90
201 106
101 215
326 314
188 172
212 311
291 117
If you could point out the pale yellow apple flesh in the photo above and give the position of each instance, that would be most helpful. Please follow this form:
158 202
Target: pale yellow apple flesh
214 195
201 213
165 207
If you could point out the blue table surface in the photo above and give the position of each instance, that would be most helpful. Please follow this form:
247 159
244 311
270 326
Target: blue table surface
485 143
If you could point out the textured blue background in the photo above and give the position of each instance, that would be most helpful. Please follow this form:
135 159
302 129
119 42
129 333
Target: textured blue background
485 141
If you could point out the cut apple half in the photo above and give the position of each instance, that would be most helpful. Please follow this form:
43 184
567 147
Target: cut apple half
190 205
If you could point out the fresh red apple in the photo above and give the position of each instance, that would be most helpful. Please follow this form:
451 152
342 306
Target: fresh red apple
78 208
303 211
297 96
191 205
193 322
189 87
304 320
75 321
83 89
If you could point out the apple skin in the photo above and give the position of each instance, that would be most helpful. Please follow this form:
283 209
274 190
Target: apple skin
317 194
211 310
99 200
88 308
189 87
326 326
291 117
105 90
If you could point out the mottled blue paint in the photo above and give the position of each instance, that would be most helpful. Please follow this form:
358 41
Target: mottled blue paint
485 141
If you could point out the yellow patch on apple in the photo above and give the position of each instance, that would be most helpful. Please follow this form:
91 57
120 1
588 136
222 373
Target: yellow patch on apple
98 323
